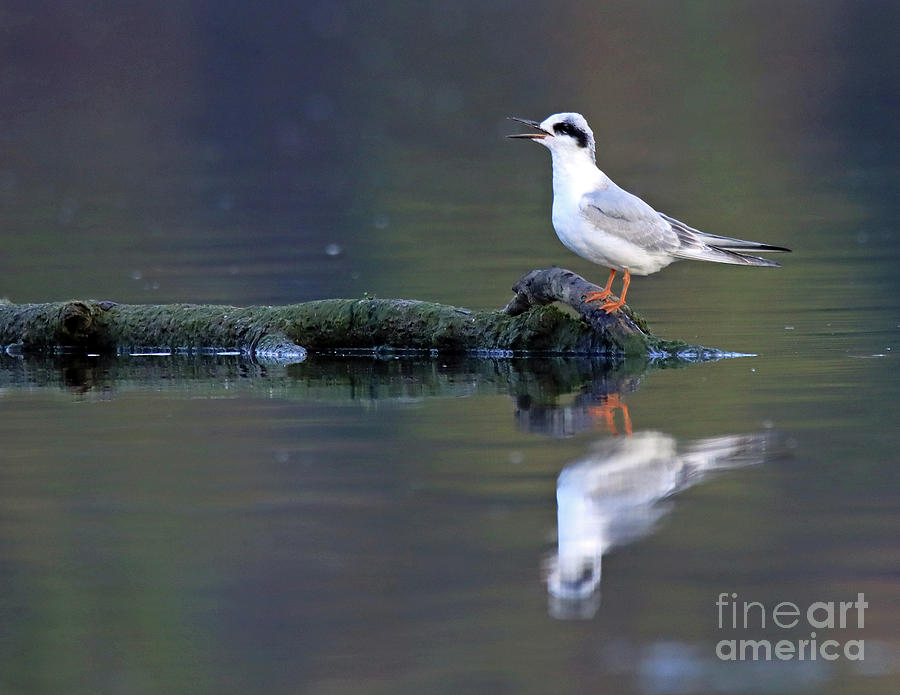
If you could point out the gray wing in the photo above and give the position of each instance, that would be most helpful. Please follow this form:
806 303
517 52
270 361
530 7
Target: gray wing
624 215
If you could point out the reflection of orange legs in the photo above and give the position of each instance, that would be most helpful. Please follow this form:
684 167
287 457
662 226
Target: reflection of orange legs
610 307
607 291
607 411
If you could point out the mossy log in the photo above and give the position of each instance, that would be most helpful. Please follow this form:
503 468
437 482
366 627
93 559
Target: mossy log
528 324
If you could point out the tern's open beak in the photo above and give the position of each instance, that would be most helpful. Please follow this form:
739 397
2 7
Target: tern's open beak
533 124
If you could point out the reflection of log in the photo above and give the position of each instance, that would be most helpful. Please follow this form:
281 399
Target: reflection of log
527 324
534 384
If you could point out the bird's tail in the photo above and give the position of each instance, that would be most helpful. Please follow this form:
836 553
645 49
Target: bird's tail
702 252
700 246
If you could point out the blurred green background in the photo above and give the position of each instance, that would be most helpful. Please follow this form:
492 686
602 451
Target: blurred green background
380 528
214 152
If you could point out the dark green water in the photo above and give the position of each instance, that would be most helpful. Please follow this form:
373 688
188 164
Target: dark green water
390 526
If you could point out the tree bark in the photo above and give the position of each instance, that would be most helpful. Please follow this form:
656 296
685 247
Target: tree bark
528 324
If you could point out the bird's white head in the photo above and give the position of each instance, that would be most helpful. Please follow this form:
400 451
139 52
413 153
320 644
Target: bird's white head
566 134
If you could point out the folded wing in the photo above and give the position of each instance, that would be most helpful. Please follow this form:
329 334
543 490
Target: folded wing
618 212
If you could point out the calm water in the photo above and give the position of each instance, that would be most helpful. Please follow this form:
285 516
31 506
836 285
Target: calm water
448 525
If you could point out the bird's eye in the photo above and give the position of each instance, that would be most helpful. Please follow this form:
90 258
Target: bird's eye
573 131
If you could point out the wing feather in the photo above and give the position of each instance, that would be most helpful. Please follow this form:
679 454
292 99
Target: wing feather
720 242
619 213
626 216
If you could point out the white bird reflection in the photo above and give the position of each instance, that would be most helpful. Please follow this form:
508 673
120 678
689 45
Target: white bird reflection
614 496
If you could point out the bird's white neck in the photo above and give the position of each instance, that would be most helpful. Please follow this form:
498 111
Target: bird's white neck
575 173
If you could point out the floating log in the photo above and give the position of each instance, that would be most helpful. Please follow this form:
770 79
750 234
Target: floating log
530 324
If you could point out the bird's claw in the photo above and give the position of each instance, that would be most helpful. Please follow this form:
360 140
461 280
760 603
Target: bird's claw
595 296
610 307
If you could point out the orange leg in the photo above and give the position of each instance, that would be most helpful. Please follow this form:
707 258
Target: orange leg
606 413
613 306
607 291
627 418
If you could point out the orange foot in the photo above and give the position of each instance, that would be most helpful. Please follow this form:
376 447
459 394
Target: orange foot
610 307
606 292
594 296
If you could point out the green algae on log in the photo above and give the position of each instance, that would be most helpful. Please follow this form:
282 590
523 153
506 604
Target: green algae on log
528 325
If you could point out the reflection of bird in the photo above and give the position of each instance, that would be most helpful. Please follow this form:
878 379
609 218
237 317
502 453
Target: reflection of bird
599 221
611 498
